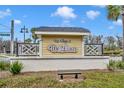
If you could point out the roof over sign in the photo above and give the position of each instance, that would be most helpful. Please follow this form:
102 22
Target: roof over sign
63 29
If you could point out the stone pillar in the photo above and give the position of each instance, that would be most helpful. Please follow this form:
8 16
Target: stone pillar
40 47
82 45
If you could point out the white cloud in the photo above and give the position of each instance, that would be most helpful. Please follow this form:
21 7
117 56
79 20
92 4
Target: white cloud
92 14
111 27
65 12
17 22
118 22
5 13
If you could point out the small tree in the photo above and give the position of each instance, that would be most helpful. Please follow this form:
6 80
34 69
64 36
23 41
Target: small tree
34 36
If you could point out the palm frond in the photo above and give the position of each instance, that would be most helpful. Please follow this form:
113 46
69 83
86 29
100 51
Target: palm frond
114 11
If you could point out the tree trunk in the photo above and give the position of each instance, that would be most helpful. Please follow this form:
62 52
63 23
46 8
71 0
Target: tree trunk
123 36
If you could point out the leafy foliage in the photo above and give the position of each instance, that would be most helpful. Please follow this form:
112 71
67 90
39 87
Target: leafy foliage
16 67
34 36
115 65
114 11
120 65
112 65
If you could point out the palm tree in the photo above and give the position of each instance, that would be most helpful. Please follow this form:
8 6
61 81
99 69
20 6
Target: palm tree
114 13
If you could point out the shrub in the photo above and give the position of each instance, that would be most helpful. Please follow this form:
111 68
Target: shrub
113 65
120 65
16 67
4 65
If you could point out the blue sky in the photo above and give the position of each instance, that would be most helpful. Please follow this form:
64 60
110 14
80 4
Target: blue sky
90 17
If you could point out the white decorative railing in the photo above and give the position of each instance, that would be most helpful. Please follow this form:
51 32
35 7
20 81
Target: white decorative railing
32 49
93 49
27 49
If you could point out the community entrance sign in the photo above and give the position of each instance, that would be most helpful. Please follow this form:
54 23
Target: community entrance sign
61 49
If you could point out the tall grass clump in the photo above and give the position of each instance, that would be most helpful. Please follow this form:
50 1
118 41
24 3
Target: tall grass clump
4 65
16 67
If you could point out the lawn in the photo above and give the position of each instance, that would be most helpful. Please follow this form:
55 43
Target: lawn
92 79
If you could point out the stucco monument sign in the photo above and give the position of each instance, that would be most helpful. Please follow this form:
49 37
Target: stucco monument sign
61 48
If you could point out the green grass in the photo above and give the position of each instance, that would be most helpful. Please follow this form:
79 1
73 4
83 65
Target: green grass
94 79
